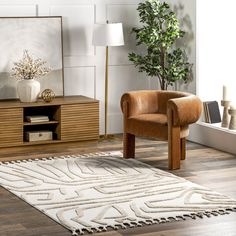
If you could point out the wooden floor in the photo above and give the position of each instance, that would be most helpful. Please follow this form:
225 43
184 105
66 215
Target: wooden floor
203 165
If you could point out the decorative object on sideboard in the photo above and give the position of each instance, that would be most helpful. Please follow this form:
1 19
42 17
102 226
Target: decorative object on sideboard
225 103
47 95
232 113
28 90
26 71
41 135
110 34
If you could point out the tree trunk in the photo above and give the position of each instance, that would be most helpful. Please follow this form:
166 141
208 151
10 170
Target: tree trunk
163 81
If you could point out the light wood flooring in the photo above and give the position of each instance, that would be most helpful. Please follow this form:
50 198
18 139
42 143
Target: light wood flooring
203 165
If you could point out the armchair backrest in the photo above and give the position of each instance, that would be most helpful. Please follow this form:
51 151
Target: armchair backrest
148 101
139 102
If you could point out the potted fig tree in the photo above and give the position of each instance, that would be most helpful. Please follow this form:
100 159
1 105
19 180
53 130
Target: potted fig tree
158 34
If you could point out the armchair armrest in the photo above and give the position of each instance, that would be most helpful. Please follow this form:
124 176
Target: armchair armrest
186 110
139 102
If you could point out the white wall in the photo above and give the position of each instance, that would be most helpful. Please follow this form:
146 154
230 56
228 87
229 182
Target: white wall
216 48
84 64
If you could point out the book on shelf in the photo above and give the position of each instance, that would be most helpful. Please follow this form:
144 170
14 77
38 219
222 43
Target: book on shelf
37 118
212 112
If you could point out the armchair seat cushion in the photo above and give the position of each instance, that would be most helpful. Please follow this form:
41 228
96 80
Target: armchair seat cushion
152 125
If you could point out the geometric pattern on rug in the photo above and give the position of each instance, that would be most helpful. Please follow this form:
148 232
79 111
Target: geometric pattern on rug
95 191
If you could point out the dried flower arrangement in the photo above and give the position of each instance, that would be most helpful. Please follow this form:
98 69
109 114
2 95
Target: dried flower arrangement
29 68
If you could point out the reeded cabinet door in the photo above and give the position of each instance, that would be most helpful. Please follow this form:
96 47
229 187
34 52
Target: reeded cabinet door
80 121
11 126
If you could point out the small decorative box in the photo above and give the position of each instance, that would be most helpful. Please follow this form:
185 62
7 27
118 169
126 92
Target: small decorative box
43 135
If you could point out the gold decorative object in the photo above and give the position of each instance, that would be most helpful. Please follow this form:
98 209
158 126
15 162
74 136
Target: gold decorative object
48 95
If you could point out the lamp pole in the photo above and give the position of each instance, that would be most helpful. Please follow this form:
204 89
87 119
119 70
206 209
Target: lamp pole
106 92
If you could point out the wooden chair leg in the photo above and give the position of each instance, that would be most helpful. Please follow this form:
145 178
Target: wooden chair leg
174 148
183 148
128 145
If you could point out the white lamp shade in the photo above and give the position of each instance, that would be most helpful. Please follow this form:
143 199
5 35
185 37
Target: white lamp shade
108 34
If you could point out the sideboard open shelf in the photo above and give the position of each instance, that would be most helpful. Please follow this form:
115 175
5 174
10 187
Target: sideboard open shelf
71 118
53 125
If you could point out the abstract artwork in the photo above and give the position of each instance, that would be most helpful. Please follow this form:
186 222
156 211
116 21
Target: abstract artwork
42 37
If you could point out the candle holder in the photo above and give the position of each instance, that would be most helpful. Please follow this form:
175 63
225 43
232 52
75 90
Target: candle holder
225 118
232 123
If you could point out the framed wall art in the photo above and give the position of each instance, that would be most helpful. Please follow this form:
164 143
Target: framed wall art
42 38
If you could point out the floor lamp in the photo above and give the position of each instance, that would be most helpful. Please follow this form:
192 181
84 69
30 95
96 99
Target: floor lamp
110 34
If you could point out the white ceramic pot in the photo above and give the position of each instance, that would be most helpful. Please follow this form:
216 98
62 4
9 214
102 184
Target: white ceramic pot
28 90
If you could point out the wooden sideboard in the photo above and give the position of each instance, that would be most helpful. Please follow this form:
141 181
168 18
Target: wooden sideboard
71 118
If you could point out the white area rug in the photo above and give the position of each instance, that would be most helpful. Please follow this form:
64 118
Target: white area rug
88 193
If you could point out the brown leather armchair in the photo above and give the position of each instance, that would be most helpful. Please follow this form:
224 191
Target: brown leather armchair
159 114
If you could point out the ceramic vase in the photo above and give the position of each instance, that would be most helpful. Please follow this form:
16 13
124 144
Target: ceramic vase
28 90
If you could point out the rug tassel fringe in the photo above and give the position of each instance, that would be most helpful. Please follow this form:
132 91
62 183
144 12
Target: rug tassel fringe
74 233
101 154
132 224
